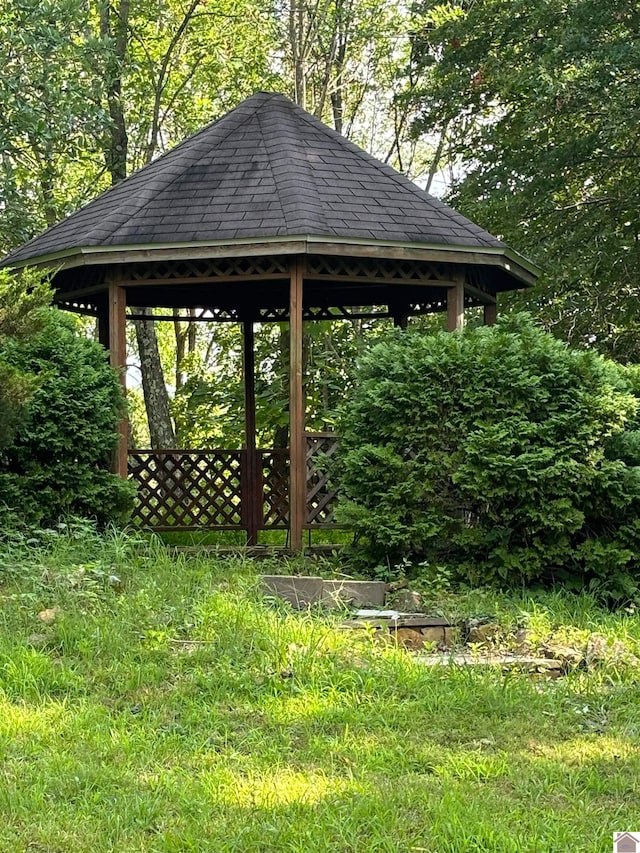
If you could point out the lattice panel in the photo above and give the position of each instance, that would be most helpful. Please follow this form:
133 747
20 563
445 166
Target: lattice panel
87 308
187 489
210 268
375 269
204 315
321 496
276 315
344 312
275 487
415 309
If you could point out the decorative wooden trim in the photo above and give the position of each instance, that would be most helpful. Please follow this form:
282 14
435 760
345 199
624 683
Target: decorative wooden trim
84 307
378 270
501 256
206 271
297 490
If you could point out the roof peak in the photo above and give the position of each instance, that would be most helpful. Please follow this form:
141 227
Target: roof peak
265 169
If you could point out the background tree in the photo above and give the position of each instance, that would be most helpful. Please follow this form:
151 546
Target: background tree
539 104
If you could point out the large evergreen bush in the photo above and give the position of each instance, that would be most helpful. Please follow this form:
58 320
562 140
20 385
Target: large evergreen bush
497 450
22 298
58 460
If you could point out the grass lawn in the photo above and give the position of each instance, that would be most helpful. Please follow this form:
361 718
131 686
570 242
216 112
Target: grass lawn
169 708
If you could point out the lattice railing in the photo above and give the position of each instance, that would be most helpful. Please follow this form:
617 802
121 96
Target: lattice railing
321 495
224 489
187 489
274 469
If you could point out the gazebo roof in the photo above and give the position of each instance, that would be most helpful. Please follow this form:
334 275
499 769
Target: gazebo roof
266 172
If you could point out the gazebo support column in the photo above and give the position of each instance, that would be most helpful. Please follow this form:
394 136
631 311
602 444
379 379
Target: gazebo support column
297 456
490 313
117 337
455 306
252 486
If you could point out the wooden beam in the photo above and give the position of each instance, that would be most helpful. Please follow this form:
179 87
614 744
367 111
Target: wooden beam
490 313
118 360
481 295
455 306
103 323
297 461
252 497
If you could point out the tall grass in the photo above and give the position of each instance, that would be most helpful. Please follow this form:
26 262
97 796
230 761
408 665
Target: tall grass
169 707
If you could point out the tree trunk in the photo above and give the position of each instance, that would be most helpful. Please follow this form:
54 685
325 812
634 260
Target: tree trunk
153 385
114 29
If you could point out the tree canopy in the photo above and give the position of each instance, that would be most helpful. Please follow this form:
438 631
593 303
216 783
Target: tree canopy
539 103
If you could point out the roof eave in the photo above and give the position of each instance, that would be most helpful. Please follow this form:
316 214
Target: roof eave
502 256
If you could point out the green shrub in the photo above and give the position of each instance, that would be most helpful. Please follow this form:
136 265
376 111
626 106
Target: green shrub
22 298
498 450
58 462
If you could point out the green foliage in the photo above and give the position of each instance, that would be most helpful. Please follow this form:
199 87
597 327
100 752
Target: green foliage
21 297
58 461
498 450
538 102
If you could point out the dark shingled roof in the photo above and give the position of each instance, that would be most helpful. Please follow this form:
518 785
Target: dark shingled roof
266 169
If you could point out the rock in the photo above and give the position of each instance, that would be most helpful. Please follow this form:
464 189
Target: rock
410 638
569 656
49 615
432 635
407 601
481 633
451 637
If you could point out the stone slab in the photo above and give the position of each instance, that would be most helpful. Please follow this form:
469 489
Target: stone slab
397 619
299 591
358 593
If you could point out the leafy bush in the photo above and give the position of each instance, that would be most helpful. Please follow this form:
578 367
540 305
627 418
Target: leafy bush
498 450
58 462
21 299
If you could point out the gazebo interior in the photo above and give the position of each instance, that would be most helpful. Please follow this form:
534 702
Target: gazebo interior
266 215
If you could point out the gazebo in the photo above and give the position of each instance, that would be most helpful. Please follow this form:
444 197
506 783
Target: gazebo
266 215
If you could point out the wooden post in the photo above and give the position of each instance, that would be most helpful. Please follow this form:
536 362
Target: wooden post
455 304
252 495
103 322
118 360
297 455
400 321
490 313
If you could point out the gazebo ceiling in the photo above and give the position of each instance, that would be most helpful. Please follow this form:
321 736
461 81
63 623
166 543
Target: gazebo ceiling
268 179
